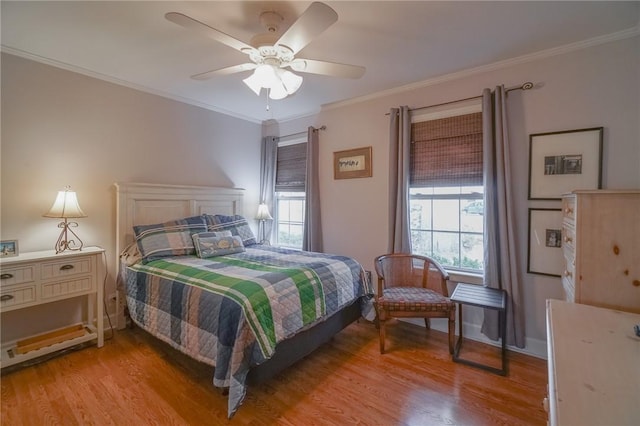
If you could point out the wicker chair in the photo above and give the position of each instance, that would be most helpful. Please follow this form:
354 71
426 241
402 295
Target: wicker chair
412 286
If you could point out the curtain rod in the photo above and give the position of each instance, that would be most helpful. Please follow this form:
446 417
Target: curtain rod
323 127
525 86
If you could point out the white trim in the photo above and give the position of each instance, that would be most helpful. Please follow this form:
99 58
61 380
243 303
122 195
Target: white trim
567 48
444 111
595 41
288 140
533 347
114 80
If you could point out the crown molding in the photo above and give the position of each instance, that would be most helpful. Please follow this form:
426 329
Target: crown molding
560 50
119 82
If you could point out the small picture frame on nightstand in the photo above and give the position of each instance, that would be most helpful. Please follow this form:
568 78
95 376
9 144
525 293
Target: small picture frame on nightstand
8 248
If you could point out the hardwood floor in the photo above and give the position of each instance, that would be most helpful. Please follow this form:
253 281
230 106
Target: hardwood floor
137 380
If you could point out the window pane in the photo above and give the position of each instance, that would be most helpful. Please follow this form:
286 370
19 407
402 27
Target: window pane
296 210
471 217
446 248
420 214
421 242
446 215
472 251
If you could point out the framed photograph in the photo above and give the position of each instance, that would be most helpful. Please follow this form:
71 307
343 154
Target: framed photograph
564 161
8 248
545 242
352 163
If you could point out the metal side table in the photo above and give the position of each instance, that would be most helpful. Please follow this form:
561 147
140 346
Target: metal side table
482 297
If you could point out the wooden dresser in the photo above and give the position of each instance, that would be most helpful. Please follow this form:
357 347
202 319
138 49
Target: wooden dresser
593 356
601 247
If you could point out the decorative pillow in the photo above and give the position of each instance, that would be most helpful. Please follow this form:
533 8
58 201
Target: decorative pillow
131 254
210 246
237 224
171 238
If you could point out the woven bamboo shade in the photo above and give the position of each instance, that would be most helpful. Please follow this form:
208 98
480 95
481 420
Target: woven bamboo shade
291 169
447 151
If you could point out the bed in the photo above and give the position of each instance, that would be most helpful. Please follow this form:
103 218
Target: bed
192 275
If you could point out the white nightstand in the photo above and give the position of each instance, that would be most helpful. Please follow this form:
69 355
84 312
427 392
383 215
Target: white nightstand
37 278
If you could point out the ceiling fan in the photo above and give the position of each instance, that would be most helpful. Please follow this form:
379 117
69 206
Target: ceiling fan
270 55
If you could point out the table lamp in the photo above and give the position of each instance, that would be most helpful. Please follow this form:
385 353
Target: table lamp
66 207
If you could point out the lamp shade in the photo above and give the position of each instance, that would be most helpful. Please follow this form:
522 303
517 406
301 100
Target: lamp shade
65 206
263 213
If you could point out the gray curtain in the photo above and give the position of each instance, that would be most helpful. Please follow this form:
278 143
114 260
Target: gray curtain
312 235
500 249
268 178
399 152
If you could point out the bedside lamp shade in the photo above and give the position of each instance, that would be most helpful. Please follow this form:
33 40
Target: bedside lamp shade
263 215
64 207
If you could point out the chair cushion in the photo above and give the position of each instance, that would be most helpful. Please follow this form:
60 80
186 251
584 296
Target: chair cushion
414 299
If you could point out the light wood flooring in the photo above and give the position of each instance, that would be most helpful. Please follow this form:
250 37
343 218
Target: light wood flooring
137 380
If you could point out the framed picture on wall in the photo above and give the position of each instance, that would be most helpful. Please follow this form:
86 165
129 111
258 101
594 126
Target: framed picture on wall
564 161
545 242
352 163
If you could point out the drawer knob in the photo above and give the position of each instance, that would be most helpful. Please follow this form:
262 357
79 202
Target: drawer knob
66 267
567 239
568 210
6 276
567 274
6 297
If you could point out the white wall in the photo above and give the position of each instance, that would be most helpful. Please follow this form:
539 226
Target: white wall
61 128
592 87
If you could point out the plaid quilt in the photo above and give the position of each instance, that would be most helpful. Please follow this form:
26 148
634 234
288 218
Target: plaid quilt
231 311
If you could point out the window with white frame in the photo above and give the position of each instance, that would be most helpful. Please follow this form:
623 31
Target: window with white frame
446 187
291 171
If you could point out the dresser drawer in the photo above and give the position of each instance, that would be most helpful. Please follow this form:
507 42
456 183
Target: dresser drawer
568 277
17 296
568 239
569 208
65 268
17 275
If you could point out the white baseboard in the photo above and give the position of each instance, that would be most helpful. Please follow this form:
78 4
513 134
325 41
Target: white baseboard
533 347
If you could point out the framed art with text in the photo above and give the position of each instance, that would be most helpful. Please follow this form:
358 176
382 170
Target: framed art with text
564 161
545 242
352 163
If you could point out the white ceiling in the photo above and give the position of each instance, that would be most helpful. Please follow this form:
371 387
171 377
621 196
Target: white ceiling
399 42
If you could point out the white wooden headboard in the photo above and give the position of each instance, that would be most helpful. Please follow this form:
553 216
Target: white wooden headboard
145 204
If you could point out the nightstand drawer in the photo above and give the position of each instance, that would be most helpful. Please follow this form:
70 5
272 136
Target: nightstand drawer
65 268
17 296
62 289
20 275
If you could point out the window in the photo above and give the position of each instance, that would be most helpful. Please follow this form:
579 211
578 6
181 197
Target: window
446 192
291 171
289 219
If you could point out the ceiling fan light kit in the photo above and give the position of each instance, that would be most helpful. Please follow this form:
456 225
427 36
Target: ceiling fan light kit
270 56
278 82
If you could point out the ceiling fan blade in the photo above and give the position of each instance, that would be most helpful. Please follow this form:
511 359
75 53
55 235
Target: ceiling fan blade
192 24
327 68
224 71
313 21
